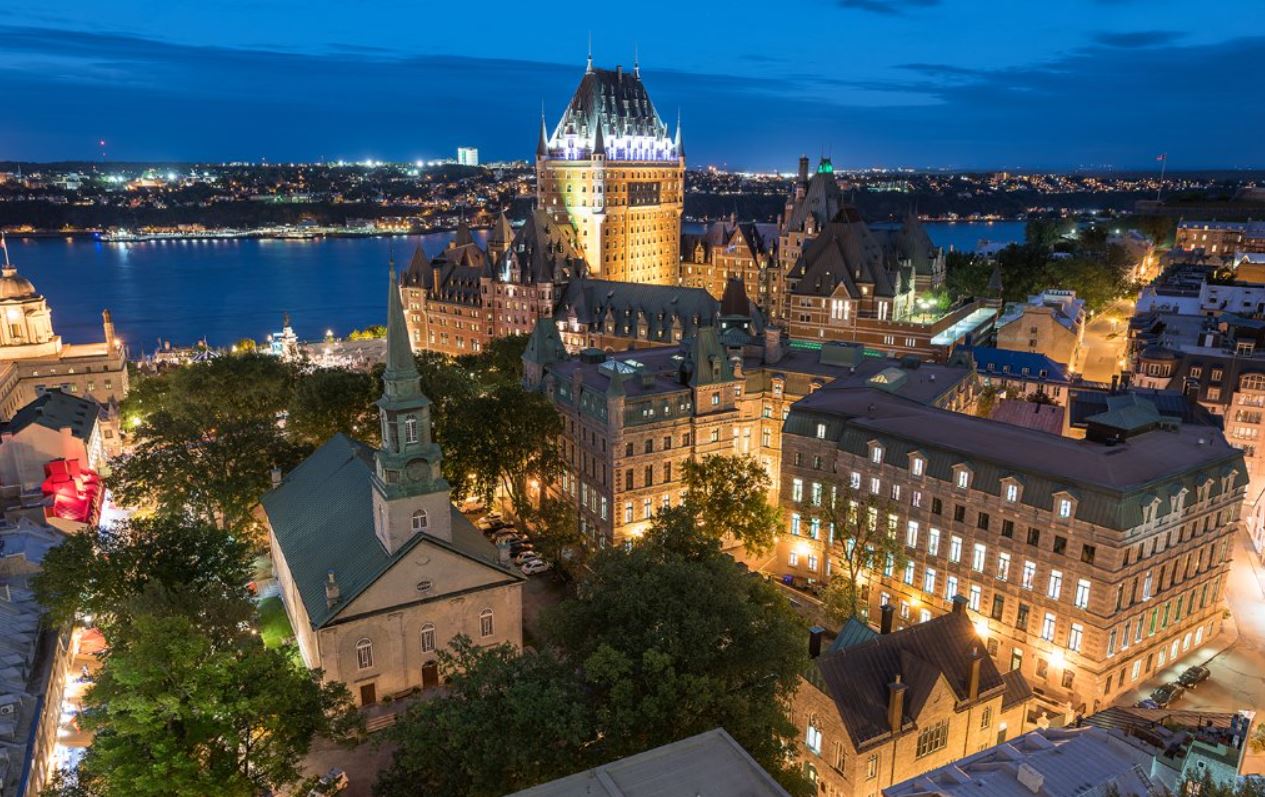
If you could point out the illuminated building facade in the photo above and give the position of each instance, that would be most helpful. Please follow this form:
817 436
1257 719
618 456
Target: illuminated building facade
611 170
731 249
1087 564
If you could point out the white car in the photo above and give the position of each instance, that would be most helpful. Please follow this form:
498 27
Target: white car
524 557
534 567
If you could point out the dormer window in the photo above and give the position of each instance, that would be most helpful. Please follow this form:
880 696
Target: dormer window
419 520
1065 505
876 453
962 477
917 465
821 431
1011 490
1012 493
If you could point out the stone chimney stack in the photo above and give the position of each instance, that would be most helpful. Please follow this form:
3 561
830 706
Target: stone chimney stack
959 604
772 345
896 705
972 687
276 477
886 614
107 321
331 590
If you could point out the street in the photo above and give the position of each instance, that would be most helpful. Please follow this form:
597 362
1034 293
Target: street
1104 341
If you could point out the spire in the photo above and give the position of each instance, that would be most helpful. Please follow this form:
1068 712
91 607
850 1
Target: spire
599 145
542 144
588 70
463 236
400 380
680 148
503 232
636 64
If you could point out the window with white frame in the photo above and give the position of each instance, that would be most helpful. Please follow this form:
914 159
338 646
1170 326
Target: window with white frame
1065 507
1074 637
951 587
812 563
485 623
909 572
410 429
419 520
1082 593
974 596
955 548
821 431
929 581
978 556
364 654
911 534
854 480
1055 586
812 735
963 478
1012 492
428 638
933 541
1047 627
876 454
1029 575
916 465
792 559
797 489
1003 566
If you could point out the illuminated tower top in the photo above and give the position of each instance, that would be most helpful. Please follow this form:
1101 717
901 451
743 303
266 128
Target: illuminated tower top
616 104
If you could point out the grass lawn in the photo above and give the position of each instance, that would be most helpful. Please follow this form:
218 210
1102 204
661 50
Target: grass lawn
274 626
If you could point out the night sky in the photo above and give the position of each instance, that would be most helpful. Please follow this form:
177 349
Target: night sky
919 83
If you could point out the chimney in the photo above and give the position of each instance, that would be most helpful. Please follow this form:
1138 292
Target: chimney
959 604
885 618
331 590
503 553
896 705
972 687
276 477
1115 384
772 345
803 168
814 641
107 322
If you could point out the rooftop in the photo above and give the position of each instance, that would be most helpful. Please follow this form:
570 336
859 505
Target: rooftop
710 764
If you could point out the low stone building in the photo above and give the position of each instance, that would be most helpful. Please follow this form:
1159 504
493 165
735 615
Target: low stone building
378 570
879 708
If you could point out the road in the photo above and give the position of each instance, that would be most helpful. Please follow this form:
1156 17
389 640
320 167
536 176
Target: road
1236 658
1104 342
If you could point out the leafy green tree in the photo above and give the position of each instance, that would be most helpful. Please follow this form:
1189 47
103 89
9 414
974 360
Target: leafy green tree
509 720
499 362
674 639
327 401
100 574
866 539
182 709
730 495
205 438
556 534
374 332
502 439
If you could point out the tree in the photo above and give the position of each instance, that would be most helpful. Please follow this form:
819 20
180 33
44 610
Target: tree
332 400
674 638
503 438
556 534
205 438
865 539
499 362
99 574
729 495
509 720
178 710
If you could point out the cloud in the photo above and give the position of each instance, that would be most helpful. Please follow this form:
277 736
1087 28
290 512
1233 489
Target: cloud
1140 38
886 7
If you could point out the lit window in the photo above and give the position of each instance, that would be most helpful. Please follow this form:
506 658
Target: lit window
911 534
797 489
975 595
933 541
978 555
1082 593
364 654
1055 587
1012 492
1003 566
876 455
410 429
1029 574
821 431
428 638
964 479
1065 508
1047 627
955 548
929 581
812 737
1074 637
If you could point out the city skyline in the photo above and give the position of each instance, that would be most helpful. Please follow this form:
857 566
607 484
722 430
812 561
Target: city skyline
930 83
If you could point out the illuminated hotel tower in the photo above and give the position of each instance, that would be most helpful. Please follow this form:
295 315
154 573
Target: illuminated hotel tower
611 170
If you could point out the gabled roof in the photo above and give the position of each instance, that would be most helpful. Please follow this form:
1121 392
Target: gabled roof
908 242
822 201
616 103
322 517
542 251
857 676
844 253
627 305
57 410
544 345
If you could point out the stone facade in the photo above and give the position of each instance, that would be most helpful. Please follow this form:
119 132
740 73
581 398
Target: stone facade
1087 564
1051 324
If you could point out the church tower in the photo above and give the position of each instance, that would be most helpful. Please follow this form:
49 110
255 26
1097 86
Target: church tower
410 495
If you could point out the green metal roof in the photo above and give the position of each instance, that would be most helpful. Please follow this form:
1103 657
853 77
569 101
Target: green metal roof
322 517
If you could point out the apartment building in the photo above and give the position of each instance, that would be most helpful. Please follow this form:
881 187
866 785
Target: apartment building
1086 563
1051 323
877 708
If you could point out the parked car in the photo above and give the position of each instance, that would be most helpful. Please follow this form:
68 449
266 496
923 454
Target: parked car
1194 676
1146 702
508 537
490 522
1168 694
527 556
518 547
534 567
331 782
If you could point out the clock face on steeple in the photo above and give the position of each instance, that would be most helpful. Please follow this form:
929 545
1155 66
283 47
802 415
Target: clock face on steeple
417 470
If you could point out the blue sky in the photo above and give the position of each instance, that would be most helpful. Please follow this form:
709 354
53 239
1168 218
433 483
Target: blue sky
918 83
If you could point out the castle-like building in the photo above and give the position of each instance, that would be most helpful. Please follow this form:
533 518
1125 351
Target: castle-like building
611 170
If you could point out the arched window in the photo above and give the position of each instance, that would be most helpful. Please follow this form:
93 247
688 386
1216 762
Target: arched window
428 637
364 654
419 520
812 735
485 622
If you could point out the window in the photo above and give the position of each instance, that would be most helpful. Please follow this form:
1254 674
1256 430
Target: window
796 520
812 736
1003 566
951 587
911 534
871 766
1008 529
428 638
797 489
792 559
1047 627
840 758
485 623
1012 493
1029 575
1065 507
821 431
916 465
1021 618
909 572
929 581
1034 536
1055 587
955 549
1060 544
364 654
816 494
982 520
978 555
974 600
647 509
986 719
963 479
937 506
1082 593
932 739
1074 637
419 520
999 606
1087 554
959 513
933 541
876 455
410 430
1111 643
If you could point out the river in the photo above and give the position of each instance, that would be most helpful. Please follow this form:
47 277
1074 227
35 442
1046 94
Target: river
223 290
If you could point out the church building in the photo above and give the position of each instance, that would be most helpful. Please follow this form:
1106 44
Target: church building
378 570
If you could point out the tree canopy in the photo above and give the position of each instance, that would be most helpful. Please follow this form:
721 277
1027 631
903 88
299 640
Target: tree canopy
730 495
865 539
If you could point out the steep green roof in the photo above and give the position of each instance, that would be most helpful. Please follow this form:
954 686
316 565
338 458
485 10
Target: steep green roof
322 517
